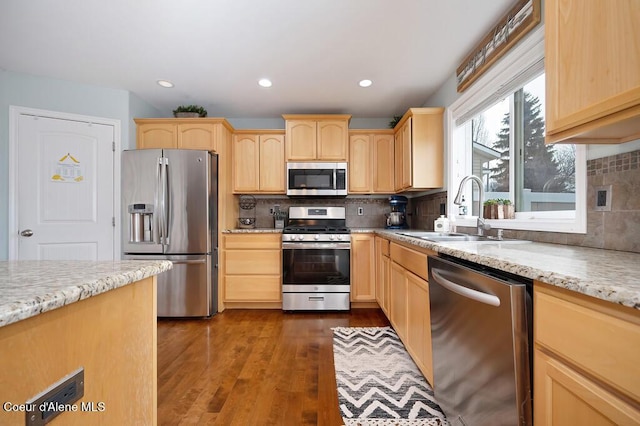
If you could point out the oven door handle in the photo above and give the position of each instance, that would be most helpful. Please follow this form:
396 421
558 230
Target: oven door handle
311 246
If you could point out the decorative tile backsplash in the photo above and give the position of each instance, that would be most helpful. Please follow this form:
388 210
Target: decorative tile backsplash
614 163
374 209
618 229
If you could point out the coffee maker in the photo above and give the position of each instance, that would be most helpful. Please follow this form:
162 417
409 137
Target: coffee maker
397 219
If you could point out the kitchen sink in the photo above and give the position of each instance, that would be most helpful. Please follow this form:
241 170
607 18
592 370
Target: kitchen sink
442 237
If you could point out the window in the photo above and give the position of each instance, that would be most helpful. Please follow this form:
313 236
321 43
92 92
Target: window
511 158
497 133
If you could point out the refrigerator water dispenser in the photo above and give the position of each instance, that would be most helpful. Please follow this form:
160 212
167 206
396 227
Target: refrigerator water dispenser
140 223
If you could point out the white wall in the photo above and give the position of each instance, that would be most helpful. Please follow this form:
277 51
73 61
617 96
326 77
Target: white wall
63 96
137 109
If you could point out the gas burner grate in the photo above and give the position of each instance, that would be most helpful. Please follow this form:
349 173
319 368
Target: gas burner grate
316 230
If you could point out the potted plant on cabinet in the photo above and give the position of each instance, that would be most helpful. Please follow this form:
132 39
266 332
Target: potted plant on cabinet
184 111
498 208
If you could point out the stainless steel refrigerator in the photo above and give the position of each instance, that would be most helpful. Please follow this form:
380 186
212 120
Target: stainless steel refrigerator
169 211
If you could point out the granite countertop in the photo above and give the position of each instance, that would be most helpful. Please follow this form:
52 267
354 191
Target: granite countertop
609 275
29 288
363 230
253 231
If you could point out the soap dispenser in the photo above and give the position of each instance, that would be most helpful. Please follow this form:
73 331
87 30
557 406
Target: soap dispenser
441 224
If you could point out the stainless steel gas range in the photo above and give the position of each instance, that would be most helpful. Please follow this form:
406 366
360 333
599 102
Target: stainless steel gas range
316 247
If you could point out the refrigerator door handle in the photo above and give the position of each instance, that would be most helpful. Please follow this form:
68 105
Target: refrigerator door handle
165 204
157 217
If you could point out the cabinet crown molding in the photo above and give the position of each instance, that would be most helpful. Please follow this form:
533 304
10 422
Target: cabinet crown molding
317 117
417 111
197 120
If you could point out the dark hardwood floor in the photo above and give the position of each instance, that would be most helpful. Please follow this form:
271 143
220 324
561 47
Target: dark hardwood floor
252 367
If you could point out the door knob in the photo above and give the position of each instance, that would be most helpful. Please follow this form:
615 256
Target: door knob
27 233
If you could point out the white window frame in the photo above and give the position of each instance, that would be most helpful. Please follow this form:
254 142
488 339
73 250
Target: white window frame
524 56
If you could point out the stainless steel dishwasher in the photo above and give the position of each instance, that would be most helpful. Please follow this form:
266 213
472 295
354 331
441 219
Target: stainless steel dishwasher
481 329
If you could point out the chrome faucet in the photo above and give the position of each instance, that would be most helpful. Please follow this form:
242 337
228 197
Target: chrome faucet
481 226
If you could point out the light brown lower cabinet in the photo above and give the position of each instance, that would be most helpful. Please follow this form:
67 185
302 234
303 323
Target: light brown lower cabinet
383 273
409 304
398 301
586 369
419 324
363 268
252 268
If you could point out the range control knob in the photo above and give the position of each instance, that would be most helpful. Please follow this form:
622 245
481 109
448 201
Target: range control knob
332 237
300 237
317 237
339 237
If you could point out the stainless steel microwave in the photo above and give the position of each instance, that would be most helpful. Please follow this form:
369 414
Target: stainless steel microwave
317 179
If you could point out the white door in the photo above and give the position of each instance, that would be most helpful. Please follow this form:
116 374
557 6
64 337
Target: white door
65 189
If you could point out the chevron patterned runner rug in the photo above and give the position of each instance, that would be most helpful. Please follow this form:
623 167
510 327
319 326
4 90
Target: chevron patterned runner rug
378 382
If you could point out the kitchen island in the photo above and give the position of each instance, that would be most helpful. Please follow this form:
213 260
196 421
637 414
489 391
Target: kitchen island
57 317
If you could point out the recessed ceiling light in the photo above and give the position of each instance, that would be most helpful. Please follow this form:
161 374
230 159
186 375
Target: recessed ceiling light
365 83
165 83
265 82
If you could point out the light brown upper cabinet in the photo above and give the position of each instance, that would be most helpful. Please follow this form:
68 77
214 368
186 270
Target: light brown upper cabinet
258 162
419 150
156 135
181 133
371 161
317 137
592 65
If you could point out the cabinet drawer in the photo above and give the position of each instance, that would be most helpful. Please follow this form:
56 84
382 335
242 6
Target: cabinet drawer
603 341
253 288
252 241
384 246
252 262
411 260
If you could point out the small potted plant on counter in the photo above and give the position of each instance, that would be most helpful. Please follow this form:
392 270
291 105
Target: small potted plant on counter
184 111
498 208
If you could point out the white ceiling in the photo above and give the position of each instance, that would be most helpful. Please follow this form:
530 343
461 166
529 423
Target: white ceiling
214 51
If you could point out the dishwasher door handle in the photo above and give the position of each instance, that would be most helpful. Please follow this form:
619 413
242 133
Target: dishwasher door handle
478 296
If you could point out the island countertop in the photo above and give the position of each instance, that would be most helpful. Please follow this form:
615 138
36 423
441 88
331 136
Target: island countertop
29 288
609 275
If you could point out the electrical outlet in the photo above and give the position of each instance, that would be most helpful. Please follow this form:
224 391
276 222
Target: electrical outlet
360 211
603 198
